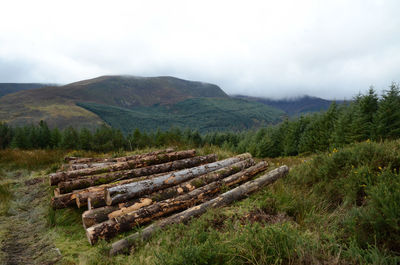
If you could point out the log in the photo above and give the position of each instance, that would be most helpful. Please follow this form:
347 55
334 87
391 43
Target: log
125 192
71 199
142 161
123 245
88 181
101 214
134 157
85 160
88 165
63 201
195 183
121 221
96 196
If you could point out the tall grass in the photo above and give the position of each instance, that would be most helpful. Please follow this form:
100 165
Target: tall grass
31 160
5 196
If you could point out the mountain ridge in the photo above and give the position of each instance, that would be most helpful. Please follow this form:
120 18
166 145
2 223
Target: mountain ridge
294 106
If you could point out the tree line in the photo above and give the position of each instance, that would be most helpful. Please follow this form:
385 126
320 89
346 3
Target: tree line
368 117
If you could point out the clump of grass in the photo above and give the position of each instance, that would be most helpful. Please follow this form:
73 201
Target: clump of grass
29 159
51 216
5 197
212 149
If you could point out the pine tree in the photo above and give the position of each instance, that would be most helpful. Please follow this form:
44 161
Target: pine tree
388 116
85 139
6 135
70 139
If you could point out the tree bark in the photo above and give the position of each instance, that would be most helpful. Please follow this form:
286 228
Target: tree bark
85 160
134 157
63 201
141 161
80 197
188 186
125 222
98 215
81 183
226 198
96 195
78 166
125 192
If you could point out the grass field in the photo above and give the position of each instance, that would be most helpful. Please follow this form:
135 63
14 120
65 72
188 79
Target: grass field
340 207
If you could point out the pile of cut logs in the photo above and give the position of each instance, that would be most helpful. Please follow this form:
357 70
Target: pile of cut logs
121 193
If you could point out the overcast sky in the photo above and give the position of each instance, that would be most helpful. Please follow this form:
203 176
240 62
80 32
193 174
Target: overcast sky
330 49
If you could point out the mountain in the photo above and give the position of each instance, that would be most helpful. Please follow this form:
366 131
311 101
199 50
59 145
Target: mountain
135 102
202 114
8 88
295 106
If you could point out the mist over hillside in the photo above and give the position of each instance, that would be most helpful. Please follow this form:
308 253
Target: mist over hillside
8 88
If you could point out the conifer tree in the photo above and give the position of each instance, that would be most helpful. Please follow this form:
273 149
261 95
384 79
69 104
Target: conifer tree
388 115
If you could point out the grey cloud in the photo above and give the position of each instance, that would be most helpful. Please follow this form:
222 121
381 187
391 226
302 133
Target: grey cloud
331 49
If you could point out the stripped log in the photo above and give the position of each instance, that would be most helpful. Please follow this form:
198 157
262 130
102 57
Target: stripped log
226 198
142 161
81 183
125 192
96 194
98 215
85 160
121 221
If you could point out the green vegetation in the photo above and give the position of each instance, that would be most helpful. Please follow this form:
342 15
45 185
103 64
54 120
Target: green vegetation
340 204
296 106
201 114
367 117
338 207
57 105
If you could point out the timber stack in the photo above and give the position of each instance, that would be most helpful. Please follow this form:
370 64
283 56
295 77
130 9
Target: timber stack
122 193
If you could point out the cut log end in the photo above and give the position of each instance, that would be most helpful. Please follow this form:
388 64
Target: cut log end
89 236
57 192
107 197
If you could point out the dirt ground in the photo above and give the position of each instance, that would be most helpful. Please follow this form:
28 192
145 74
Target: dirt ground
23 225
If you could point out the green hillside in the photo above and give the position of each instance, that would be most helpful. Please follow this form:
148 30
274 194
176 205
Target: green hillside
203 114
295 107
131 91
57 105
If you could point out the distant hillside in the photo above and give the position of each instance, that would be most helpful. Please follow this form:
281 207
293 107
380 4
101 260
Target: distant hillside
295 106
202 114
58 105
8 88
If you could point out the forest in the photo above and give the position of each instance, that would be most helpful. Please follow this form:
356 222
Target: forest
339 204
368 117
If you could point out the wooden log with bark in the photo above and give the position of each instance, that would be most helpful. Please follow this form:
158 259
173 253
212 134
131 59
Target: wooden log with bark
142 161
96 194
121 221
101 214
80 197
126 192
78 166
88 181
123 245
85 160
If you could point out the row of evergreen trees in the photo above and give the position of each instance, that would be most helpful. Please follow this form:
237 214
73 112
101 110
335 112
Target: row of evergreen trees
103 139
367 117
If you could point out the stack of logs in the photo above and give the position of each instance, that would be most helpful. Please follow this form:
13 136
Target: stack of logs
122 193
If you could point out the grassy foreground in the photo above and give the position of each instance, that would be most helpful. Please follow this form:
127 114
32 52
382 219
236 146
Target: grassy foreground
339 207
